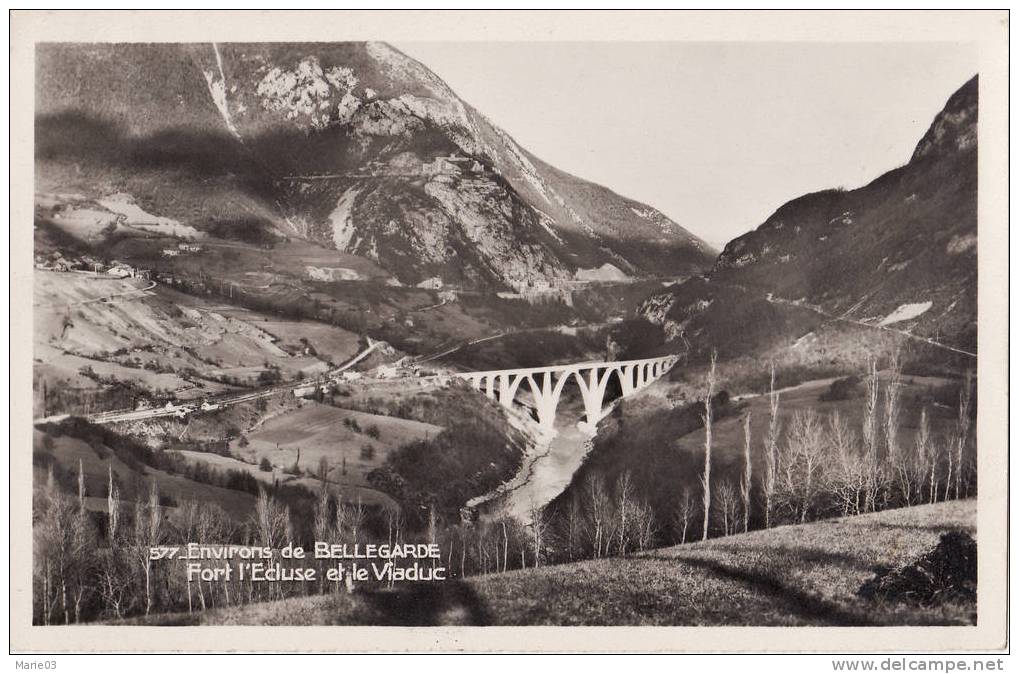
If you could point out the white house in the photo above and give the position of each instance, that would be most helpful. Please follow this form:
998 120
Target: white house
385 372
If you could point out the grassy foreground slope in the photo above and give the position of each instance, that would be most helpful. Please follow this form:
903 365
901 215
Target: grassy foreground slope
794 575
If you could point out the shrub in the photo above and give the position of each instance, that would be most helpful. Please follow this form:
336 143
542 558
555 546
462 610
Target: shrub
842 389
367 452
265 465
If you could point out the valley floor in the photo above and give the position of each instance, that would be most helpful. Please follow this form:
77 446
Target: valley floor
793 575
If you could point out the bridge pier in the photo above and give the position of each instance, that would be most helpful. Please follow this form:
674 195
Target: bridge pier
546 396
626 379
593 393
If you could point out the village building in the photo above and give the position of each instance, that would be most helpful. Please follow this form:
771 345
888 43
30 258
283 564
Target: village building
121 270
385 372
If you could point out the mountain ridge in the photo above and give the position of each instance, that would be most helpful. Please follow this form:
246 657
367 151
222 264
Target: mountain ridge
899 251
353 145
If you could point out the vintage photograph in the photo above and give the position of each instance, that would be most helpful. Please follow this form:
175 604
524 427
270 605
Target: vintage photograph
503 333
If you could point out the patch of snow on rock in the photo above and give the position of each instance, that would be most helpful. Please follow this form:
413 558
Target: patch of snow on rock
960 244
906 312
332 274
342 220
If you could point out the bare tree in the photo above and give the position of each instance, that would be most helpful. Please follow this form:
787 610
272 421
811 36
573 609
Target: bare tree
271 520
746 484
112 588
211 526
54 523
597 504
83 550
624 511
771 451
921 460
684 512
870 438
706 477
728 507
962 430
848 475
539 524
644 524
505 545
355 517
322 527
112 508
926 449
573 524
147 523
892 391
803 465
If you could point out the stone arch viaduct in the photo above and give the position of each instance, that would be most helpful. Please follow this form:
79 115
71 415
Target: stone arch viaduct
546 384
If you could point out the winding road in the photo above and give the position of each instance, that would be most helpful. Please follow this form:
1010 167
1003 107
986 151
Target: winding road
818 310
104 298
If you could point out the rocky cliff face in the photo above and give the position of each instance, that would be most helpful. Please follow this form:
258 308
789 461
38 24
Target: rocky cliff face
351 144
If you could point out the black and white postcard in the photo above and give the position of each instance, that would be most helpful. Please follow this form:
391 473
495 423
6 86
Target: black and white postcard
468 323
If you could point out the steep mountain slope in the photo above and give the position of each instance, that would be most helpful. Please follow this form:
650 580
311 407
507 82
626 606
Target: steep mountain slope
353 145
899 252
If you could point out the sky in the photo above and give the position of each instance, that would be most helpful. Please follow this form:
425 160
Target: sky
715 135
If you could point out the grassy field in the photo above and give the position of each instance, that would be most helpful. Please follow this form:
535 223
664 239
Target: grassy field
350 492
96 462
164 340
796 575
319 432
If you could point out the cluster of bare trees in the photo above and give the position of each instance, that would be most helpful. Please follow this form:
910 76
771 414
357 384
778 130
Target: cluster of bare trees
73 573
821 465
91 565
600 520
808 465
